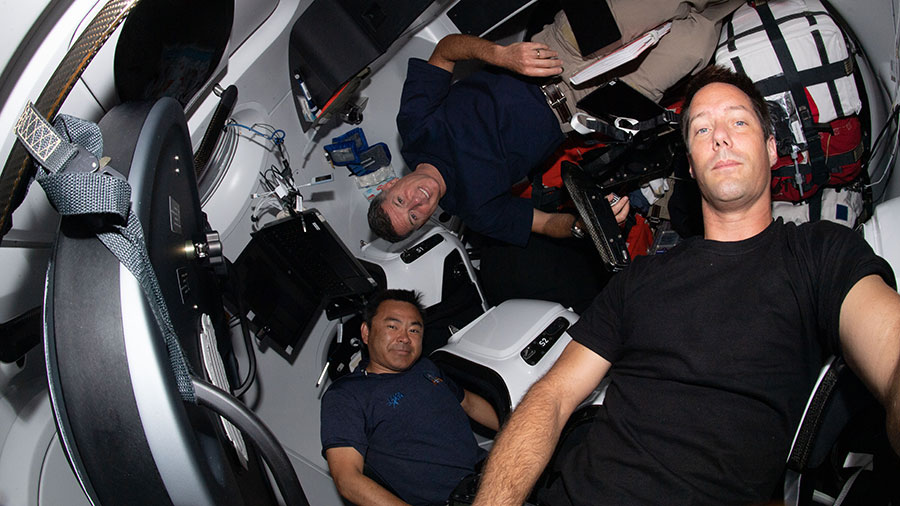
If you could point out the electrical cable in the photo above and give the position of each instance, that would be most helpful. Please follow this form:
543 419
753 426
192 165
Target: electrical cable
269 202
273 181
277 137
860 52
248 340
892 118
895 108
273 137
887 170
277 133
278 185
884 128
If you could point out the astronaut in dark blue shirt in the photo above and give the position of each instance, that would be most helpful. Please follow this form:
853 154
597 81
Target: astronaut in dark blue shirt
468 143
399 416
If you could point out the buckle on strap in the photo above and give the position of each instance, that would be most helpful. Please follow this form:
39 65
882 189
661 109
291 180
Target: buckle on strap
671 117
75 181
557 101
630 126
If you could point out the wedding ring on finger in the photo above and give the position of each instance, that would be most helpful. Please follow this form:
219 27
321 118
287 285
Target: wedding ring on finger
538 53
615 198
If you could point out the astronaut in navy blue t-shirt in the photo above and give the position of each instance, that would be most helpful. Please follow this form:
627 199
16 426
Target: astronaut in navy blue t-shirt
399 417
468 142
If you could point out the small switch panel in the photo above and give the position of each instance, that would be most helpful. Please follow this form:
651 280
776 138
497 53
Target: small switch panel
538 347
413 253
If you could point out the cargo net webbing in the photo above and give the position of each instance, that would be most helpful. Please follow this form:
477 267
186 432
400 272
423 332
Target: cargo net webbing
590 202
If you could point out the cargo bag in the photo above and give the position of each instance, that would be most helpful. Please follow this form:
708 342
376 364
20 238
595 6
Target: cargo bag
797 55
841 143
842 205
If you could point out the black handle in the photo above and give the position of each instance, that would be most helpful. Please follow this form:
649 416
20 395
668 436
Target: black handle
214 130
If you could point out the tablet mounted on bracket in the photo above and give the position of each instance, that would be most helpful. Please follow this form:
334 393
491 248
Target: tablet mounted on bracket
292 270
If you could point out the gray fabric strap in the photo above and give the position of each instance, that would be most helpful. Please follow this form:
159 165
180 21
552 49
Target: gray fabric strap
81 133
127 244
87 193
73 191
44 144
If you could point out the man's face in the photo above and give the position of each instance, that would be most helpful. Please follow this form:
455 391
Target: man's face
729 154
395 338
410 201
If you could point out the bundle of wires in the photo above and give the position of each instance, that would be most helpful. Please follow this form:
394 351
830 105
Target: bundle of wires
891 128
274 178
226 148
890 125
280 195
268 132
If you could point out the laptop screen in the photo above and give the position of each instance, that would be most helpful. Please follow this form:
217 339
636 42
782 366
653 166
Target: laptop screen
617 99
291 271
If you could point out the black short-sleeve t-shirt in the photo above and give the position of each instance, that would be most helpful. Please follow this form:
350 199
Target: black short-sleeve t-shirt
715 348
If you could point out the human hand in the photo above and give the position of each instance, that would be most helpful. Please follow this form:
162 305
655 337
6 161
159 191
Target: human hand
620 206
529 59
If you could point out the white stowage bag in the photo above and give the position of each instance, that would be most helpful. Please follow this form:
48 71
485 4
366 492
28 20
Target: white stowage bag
806 27
840 205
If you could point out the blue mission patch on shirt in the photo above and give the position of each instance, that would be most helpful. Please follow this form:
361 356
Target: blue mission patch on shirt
394 399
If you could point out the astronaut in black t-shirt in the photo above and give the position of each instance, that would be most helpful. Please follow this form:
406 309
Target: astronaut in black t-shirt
712 348
399 416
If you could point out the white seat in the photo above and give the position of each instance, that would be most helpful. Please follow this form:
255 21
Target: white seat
417 262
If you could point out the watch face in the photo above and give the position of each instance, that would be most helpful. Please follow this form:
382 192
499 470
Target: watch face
576 231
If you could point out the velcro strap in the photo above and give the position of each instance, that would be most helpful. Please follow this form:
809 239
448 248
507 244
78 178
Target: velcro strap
816 155
41 140
834 163
732 36
128 245
668 117
599 166
828 72
787 170
79 193
77 184
812 418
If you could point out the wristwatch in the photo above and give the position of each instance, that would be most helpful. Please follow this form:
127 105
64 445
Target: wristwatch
576 230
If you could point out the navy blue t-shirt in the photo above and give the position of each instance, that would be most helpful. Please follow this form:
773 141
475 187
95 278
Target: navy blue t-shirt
484 134
409 427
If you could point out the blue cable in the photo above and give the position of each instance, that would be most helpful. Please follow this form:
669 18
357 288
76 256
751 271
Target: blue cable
276 137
